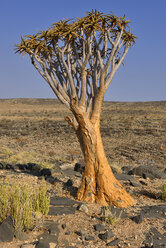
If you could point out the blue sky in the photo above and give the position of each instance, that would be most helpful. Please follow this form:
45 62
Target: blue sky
143 78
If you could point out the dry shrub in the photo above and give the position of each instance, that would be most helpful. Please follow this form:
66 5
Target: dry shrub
23 204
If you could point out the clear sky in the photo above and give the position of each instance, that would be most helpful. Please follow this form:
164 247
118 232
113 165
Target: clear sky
143 78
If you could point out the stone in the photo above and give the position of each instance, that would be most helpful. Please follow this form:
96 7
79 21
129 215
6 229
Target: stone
61 210
43 244
21 235
62 201
134 183
21 167
89 238
126 169
53 228
99 227
143 182
35 168
113 242
155 238
69 246
46 172
147 172
45 240
155 211
138 218
124 177
83 208
63 226
27 246
2 165
106 236
81 233
9 167
7 230
79 168
69 183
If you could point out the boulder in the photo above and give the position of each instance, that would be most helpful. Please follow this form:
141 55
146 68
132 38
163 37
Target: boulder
7 230
147 172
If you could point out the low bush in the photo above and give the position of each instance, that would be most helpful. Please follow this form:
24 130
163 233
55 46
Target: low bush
110 217
23 204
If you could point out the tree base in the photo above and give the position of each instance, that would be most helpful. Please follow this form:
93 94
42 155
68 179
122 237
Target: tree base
106 191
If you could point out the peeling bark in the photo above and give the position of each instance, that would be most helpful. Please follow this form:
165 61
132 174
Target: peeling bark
98 183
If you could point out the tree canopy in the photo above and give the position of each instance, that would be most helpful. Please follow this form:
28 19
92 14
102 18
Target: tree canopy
78 57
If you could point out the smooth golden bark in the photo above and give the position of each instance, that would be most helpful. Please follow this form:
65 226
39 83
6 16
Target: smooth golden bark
98 182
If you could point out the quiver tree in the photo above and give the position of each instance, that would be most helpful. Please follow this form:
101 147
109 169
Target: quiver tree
78 59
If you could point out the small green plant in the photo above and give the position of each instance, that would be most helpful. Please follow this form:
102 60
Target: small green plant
5 202
163 192
109 216
23 204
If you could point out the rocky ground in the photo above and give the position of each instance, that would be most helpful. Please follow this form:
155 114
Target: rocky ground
33 131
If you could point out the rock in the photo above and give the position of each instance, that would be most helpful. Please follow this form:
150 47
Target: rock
50 179
46 172
69 183
143 182
147 172
155 238
126 169
53 229
83 208
99 227
27 246
2 165
135 183
79 168
7 230
89 238
114 242
61 210
45 240
21 166
63 226
155 211
9 167
106 236
71 246
138 218
35 168
21 235
81 233
124 177
62 201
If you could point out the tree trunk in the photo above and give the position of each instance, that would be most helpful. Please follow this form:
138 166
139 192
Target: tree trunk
98 183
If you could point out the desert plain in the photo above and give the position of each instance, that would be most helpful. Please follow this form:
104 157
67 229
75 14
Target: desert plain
133 133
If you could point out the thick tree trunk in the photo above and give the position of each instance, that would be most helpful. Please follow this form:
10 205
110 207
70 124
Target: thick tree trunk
98 182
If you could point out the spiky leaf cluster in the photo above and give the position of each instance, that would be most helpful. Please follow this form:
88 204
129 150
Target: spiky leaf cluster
75 55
